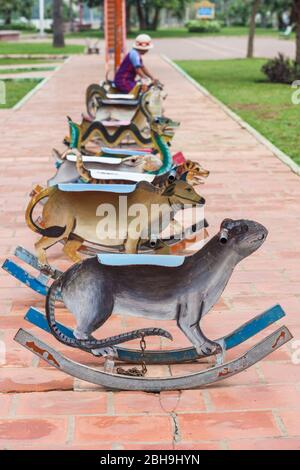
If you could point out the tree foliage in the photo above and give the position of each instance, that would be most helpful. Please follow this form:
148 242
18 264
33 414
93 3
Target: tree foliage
9 8
148 11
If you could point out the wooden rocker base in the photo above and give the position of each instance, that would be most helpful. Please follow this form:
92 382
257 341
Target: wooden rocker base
122 382
175 356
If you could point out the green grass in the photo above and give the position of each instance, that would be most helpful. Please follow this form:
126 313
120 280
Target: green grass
16 89
26 69
242 86
28 61
37 48
92 33
225 31
179 33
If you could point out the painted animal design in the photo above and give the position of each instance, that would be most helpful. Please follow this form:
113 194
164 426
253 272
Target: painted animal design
135 163
87 131
96 93
185 293
189 171
69 171
192 172
75 216
162 130
107 106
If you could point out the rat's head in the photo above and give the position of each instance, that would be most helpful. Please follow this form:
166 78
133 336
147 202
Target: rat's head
243 236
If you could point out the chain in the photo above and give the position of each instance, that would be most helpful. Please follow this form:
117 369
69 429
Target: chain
135 372
143 347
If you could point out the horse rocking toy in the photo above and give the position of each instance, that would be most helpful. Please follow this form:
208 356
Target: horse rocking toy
183 289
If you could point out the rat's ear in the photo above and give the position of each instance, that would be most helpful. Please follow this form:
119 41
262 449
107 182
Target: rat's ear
227 223
170 190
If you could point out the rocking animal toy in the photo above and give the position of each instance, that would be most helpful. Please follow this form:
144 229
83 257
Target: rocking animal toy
184 293
140 162
102 97
72 165
112 135
73 212
116 108
182 289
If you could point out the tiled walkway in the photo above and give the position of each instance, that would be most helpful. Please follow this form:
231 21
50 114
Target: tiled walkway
260 408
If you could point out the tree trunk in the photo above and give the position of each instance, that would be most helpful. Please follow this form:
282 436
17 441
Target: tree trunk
71 16
7 17
155 21
128 16
58 24
281 25
81 10
147 15
296 11
255 6
141 14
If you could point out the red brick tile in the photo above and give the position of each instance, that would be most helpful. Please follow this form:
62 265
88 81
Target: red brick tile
197 446
5 402
32 379
55 446
61 403
265 444
154 403
291 421
32 431
230 425
15 355
119 429
255 398
145 446
280 372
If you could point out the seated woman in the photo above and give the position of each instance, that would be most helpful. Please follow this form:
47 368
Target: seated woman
132 65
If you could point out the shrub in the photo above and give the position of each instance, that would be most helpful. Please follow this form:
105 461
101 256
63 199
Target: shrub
281 70
203 26
19 27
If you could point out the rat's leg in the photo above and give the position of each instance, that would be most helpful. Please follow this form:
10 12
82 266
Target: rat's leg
188 321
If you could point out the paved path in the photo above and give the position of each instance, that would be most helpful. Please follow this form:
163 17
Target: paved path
260 408
208 47
222 47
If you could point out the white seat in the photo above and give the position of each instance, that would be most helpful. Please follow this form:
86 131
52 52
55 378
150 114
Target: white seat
112 96
115 123
170 261
122 151
91 159
108 188
121 175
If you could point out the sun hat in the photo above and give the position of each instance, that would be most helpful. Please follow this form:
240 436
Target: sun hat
143 42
